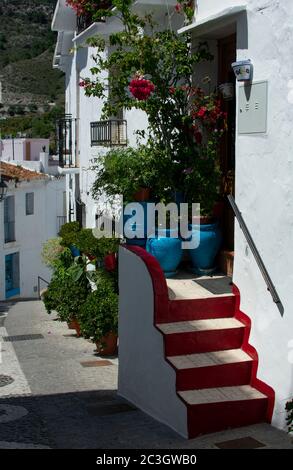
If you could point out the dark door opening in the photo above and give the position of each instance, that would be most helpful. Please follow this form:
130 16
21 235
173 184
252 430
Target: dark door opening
226 56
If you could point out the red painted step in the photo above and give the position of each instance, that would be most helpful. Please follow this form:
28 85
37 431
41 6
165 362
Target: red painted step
202 336
212 410
211 370
199 309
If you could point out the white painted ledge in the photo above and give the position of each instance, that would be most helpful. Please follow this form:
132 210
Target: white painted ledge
214 19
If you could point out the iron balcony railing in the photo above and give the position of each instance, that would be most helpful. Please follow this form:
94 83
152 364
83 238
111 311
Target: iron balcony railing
255 252
64 137
109 133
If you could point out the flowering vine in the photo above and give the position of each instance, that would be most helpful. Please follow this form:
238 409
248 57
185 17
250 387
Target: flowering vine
186 7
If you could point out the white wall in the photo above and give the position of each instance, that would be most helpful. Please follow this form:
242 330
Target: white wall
145 378
264 193
15 149
31 231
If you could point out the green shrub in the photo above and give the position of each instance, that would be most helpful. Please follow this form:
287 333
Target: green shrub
69 233
87 242
124 171
66 296
98 316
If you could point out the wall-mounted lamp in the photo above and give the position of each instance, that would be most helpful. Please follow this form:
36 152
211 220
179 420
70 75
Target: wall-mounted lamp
3 190
243 70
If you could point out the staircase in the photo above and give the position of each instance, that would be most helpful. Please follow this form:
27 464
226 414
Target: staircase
184 352
206 342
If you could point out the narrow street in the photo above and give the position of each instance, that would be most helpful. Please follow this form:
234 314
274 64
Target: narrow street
54 394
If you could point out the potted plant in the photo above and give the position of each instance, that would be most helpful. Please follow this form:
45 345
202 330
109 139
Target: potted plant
88 244
108 248
69 234
65 295
99 317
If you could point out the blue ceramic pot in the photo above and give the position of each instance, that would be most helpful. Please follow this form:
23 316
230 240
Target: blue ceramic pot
74 251
209 239
167 250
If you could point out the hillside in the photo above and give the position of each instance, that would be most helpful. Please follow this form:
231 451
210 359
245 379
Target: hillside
26 51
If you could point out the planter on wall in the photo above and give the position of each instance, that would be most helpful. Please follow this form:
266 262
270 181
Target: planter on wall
167 250
227 90
243 70
209 238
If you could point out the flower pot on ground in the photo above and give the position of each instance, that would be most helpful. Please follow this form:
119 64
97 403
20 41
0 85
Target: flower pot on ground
107 346
208 237
73 324
167 250
98 316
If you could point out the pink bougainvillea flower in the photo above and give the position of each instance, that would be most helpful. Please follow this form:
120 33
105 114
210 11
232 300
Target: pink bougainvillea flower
141 88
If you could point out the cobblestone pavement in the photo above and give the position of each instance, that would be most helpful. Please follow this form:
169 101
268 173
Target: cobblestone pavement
56 402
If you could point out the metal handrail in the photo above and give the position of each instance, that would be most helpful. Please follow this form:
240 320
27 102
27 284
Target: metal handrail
255 252
39 284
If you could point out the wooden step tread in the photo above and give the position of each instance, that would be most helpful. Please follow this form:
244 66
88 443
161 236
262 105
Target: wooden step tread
220 395
189 361
199 325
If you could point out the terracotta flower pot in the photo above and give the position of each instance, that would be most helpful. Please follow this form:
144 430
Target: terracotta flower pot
74 325
107 346
143 194
110 262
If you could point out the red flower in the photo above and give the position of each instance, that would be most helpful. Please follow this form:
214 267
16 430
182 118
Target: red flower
202 112
178 8
172 90
141 88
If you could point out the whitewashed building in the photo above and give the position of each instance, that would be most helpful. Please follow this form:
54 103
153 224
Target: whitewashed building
31 213
256 163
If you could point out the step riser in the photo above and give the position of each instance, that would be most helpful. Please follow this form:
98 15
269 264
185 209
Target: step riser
203 341
199 309
214 417
224 375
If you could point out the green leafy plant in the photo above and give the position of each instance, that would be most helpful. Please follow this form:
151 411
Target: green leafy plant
65 295
99 314
124 171
87 243
69 233
289 419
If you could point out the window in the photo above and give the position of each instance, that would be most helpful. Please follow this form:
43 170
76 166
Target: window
9 219
29 203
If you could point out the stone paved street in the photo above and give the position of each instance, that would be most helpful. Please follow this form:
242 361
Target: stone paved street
56 402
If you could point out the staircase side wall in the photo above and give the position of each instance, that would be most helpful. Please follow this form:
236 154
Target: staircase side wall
145 378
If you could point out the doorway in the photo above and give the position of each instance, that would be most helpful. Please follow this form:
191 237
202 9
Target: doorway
12 281
226 56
